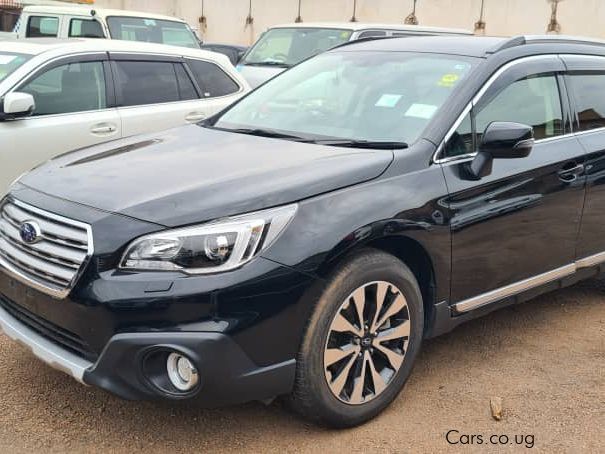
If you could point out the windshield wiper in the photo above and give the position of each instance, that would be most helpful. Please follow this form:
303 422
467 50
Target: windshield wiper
267 63
379 145
267 133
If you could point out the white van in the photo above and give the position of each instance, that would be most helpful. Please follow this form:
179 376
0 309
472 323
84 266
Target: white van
283 46
86 22
57 95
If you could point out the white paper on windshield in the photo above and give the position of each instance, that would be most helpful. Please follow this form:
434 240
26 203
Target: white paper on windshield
6 59
425 111
388 100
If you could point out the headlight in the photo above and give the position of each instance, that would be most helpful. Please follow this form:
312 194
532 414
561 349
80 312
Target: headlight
209 248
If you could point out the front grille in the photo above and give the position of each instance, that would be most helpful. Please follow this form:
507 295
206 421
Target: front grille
65 339
53 261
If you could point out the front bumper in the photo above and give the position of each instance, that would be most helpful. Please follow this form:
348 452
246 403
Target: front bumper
227 374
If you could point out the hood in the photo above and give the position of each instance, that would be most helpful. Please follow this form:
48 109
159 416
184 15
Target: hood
193 174
258 75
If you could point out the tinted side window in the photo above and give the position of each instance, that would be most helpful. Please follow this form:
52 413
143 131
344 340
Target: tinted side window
42 27
533 101
372 34
589 94
212 80
462 140
85 28
145 82
186 87
76 87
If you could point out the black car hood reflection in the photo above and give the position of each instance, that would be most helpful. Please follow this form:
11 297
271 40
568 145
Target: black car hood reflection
193 174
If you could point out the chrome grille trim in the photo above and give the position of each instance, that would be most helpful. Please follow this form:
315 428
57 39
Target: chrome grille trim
52 265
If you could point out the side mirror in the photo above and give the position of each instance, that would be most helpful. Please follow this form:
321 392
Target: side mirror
501 140
18 105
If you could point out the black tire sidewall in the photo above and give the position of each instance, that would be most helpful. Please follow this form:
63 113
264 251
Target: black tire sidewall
363 268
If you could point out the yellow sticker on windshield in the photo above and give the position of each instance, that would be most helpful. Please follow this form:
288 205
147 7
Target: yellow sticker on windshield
448 80
344 35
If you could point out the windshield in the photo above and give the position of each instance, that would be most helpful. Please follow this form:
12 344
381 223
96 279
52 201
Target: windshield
152 31
360 96
289 46
9 62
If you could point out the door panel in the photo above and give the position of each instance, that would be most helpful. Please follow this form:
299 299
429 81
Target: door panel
516 223
586 81
32 141
522 219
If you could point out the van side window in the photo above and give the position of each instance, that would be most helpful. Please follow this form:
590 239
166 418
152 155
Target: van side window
146 82
589 93
212 80
42 27
76 87
85 28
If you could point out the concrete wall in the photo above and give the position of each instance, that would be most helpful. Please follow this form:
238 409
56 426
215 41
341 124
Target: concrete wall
226 19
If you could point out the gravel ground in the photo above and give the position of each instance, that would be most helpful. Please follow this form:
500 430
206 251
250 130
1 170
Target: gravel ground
545 359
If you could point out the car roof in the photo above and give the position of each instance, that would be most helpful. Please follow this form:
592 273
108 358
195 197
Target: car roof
38 46
356 26
472 46
101 12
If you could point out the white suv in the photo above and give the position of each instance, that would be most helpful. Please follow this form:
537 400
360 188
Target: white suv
57 96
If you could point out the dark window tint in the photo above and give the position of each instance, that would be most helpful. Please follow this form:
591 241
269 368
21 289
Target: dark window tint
589 94
533 101
186 87
461 141
76 87
212 80
372 34
142 82
85 28
42 27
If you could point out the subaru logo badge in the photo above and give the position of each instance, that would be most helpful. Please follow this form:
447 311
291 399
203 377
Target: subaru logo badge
30 232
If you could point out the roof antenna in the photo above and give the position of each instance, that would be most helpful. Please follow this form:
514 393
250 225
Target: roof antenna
354 19
299 18
202 19
411 19
480 24
553 25
250 19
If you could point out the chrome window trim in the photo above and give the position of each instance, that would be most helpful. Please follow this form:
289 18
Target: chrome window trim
435 158
515 288
21 277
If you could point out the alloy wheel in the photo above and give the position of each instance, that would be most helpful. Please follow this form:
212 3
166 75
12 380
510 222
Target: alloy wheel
367 342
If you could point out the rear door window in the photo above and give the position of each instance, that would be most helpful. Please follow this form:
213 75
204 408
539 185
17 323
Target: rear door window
42 27
589 93
212 80
146 82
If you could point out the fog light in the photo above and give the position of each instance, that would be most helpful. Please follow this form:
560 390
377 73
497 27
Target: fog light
181 371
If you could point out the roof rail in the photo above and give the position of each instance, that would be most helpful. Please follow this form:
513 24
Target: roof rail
521 40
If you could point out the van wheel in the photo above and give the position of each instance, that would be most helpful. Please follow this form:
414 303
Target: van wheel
361 341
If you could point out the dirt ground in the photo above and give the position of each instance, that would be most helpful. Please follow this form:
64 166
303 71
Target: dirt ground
545 359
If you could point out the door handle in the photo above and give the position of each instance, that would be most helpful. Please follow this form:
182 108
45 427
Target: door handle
194 117
571 171
103 129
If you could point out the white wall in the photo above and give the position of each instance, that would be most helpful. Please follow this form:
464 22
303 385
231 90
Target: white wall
226 19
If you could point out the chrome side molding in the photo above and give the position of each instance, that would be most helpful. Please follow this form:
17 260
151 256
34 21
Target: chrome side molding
526 284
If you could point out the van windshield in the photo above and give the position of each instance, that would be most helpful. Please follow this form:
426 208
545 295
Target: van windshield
152 31
288 46
355 96
9 62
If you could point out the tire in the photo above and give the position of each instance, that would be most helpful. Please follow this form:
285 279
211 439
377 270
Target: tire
316 394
